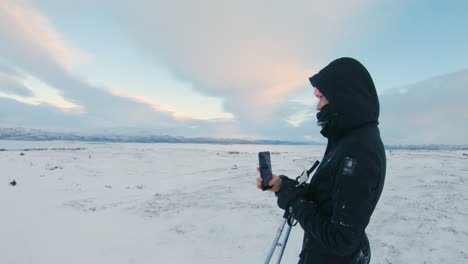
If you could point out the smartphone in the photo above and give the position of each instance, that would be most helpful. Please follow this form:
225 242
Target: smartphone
265 169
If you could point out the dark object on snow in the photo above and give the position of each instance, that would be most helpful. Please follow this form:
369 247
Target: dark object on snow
464 154
21 154
13 183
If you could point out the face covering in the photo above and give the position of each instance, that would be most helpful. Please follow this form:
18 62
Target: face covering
329 120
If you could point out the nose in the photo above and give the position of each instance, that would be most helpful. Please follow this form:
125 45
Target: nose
322 102
318 107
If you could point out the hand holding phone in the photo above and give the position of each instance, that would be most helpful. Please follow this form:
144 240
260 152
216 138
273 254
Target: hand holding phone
265 169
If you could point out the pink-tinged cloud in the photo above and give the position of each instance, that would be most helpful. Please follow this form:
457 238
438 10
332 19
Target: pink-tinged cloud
254 54
12 86
162 108
22 23
74 109
31 45
144 100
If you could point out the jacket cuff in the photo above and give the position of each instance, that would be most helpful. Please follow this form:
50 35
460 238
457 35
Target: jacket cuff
284 181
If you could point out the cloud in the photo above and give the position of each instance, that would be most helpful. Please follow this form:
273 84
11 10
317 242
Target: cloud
254 61
254 54
12 86
15 113
163 108
433 111
21 24
31 45
5 69
66 108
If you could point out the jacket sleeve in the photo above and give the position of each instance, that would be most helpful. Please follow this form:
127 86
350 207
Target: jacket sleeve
353 201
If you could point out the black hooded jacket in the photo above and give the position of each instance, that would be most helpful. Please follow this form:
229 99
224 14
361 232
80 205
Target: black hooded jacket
345 188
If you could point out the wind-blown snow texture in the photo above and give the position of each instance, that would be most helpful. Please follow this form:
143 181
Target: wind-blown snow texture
183 203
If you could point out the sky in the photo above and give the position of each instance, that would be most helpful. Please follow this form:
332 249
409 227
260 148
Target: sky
229 69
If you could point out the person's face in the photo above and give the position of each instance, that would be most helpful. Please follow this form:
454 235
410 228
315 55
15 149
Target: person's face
322 102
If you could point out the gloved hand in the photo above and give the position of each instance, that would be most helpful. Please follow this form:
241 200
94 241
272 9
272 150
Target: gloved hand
288 192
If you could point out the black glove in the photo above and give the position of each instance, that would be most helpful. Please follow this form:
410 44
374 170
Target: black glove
288 192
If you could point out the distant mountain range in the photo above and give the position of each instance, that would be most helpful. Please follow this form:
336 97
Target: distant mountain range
40 135
427 147
24 134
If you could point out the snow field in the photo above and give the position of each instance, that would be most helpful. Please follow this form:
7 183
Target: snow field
194 203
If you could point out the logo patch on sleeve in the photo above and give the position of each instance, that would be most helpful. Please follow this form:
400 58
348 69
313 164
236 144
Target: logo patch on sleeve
349 166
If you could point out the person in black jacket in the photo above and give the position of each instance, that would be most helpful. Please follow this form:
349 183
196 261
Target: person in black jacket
335 208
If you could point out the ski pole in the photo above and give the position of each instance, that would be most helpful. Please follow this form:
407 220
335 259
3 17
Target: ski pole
283 246
275 241
302 179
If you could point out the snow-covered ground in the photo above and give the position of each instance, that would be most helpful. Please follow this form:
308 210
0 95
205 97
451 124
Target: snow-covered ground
115 203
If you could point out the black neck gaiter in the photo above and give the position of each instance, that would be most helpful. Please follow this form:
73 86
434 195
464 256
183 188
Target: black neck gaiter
330 121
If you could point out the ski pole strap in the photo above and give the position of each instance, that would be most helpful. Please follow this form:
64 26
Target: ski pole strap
313 167
289 217
291 221
301 179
